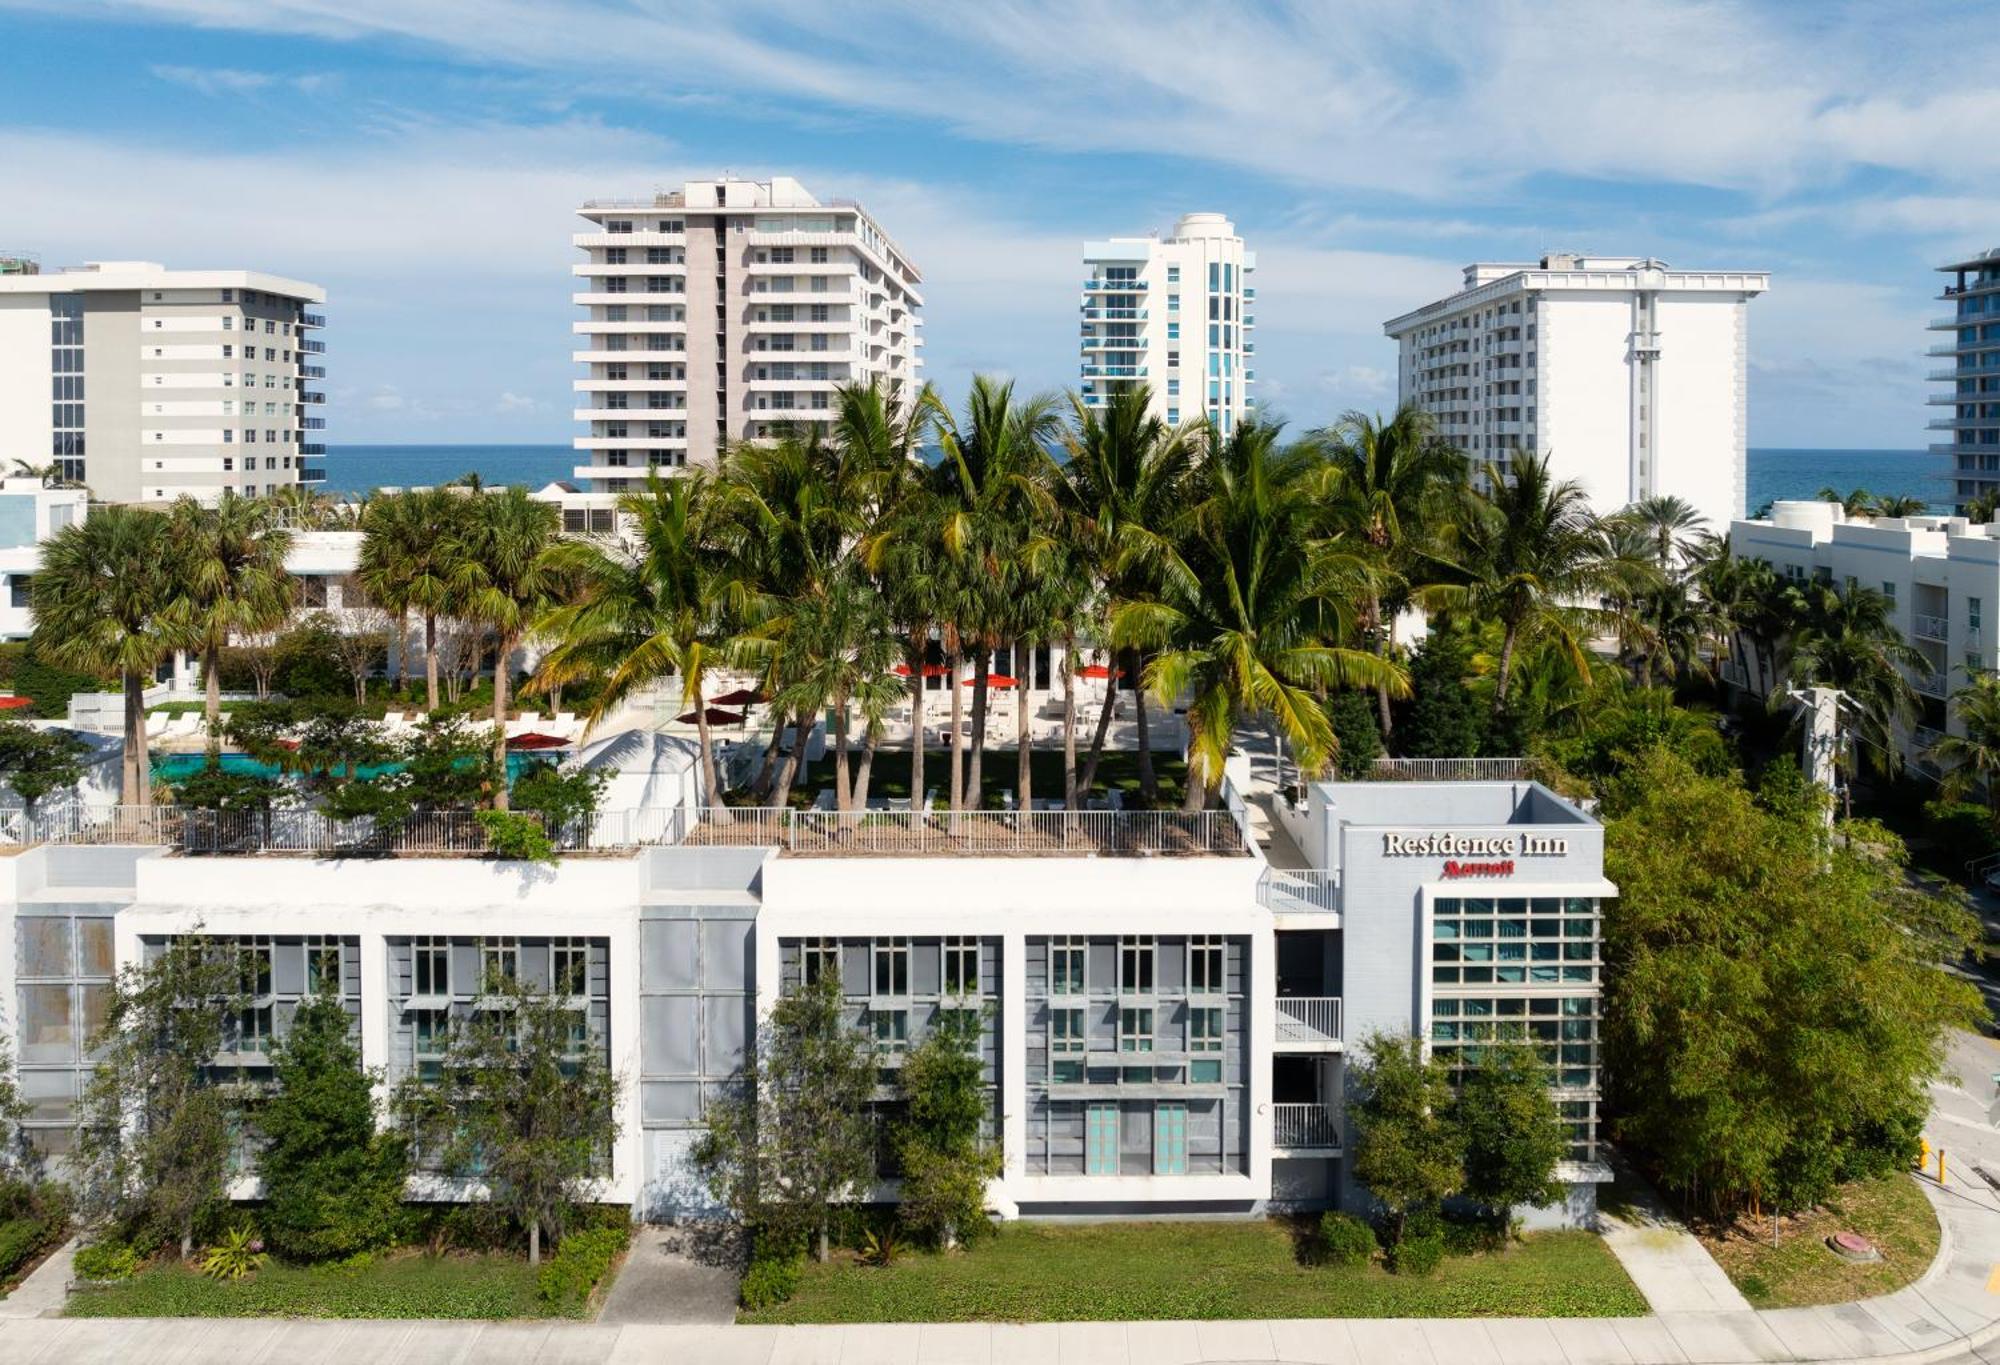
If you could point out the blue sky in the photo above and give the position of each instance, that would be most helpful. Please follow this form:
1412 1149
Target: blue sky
422 158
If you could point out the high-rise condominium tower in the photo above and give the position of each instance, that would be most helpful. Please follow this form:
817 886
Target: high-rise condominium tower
1174 314
1629 376
147 383
1972 348
722 310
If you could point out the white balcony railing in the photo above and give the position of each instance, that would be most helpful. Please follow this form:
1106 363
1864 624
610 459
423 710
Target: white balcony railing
1308 1019
1314 891
1452 770
1304 1127
1924 737
1930 627
1931 685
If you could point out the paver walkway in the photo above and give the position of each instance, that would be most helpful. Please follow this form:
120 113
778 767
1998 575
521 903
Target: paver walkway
42 1293
673 1275
1667 1263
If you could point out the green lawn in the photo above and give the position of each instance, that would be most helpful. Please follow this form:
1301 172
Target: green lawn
1031 1272
1117 770
1891 1212
405 1285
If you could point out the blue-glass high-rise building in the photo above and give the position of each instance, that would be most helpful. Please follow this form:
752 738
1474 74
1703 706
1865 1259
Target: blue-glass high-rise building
1972 428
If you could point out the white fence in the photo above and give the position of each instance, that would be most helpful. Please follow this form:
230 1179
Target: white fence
1308 1019
1304 1127
1311 892
908 833
1452 770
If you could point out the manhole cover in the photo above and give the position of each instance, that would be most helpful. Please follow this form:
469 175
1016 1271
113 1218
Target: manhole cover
1852 1246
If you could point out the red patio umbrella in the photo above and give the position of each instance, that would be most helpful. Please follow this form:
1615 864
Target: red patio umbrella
742 696
534 739
1093 671
930 670
996 680
715 717
15 703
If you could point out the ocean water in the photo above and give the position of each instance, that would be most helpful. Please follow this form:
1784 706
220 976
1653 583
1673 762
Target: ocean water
1774 472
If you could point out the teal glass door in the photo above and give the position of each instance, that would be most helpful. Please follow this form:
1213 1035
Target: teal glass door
1101 1140
1170 1139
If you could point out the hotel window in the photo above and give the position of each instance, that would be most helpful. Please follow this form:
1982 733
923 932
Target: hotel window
1173 331
1135 966
961 966
1205 965
322 965
819 959
253 966
892 1030
499 962
1972 613
1204 1029
431 1030
892 966
253 1029
1067 1042
1066 964
569 966
1135 1029
1173 274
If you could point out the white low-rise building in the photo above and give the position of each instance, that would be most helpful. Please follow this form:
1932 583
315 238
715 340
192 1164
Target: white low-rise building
1167 1016
1940 574
29 514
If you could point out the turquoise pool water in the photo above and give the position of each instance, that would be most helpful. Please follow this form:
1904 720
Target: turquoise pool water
174 767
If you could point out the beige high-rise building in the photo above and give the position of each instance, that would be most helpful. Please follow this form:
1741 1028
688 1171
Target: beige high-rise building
147 383
725 309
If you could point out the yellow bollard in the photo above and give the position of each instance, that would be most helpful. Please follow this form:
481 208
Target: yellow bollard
1940 1165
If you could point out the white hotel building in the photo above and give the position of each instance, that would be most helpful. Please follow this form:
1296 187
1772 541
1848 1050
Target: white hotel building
1940 574
1629 375
147 383
1175 313
1168 1014
718 311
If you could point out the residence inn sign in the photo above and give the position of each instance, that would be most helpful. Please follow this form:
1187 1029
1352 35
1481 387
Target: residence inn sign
1475 855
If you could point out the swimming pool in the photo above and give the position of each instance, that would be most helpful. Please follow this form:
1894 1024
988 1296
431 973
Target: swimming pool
171 768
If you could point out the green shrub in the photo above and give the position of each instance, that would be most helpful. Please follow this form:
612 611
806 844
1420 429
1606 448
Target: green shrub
106 1261
516 835
51 687
1417 1253
1474 1236
770 1282
580 1262
1344 1239
20 1239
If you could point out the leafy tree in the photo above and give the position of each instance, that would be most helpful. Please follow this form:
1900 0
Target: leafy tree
946 1158
1444 719
566 799
507 574
156 1127
307 662
525 1103
36 762
1774 1010
1633 722
103 602
1971 761
333 1182
214 787
409 563
795 1137
229 571
18 1158
1357 737
1513 1134
1407 1150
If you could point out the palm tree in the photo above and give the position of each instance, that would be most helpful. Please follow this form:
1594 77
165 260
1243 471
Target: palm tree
1254 613
1741 596
1857 502
642 615
1671 526
1529 554
1983 508
1384 481
1124 478
1847 639
230 576
505 578
1972 760
990 507
1900 505
104 601
409 563
301 508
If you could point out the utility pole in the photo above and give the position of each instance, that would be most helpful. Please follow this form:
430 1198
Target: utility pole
1822 742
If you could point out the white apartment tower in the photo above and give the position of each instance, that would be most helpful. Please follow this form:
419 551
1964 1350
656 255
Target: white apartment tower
1173 313
1631 377
147 383
722 310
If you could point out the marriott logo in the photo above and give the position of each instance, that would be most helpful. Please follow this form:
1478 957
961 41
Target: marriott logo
1473 846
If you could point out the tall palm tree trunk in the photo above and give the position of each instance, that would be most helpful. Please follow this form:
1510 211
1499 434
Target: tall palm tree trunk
503 650
1069 721
864 766
1507 643
402 649
1088 782
802 729
711 784
431 660
211 678
843 797
137 768
1196 797
1386 634
957 722
1149 783
1024 768
781 787
766 770
917 729
982 666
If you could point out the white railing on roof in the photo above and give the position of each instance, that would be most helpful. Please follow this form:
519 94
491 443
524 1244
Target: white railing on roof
1308 1019
1304 1126
1452 770
874 832
1313 891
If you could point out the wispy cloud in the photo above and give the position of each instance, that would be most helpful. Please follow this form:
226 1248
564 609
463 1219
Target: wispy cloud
224 80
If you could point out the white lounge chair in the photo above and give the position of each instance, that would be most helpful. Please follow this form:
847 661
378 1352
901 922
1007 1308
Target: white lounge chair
392 719
156 724
825 799
565 720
